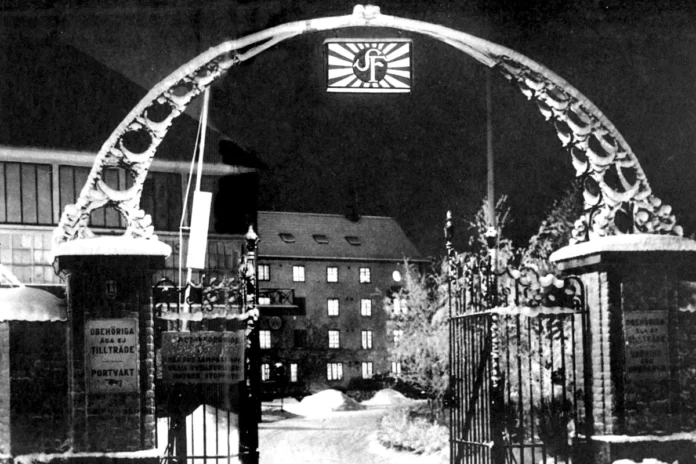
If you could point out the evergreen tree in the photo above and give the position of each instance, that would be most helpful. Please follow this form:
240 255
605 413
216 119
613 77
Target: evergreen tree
418 318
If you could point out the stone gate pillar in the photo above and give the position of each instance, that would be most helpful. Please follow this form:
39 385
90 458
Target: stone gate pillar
636 340
110 341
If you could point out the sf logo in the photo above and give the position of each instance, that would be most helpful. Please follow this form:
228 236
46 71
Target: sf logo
370 65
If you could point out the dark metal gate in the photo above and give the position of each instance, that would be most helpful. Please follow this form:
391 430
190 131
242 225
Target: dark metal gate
206 384
518 367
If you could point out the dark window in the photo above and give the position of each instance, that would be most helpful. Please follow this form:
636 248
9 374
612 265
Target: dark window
162 198
320 238
72 179
300 338
287 238
27 190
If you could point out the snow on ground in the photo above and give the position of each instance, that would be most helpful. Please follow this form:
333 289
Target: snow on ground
324 402
644 461
209 432
386 397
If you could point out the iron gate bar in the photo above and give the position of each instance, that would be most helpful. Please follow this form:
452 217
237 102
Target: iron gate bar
515 326
169 314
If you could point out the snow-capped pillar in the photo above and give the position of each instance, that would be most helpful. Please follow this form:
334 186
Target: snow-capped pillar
633 363
110 341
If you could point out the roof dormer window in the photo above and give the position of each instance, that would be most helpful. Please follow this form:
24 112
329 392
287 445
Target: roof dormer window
321 238
353 240
287 238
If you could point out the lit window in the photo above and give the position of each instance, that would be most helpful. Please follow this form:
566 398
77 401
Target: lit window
265 372
398 334
264 272
321 238
334 371
334 339
265 339
367 370
332 305
264 300
287 238
293 372
398 306
366 307
396 367
365 275
353 240
331 274
396 276
366 339
298 274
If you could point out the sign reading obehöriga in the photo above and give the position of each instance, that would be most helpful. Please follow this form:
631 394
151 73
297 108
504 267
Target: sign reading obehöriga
112 351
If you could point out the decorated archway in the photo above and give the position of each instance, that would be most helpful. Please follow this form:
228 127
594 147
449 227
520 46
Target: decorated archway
618 198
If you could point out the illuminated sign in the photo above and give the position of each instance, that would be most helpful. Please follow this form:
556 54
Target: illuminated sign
365 65
112 353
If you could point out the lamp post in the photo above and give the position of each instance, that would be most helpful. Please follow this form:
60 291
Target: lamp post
250 405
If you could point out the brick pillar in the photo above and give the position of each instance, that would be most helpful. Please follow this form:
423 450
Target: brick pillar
111 341
4 388
630 287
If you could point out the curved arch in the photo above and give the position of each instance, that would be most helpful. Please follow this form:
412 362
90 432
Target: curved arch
618 198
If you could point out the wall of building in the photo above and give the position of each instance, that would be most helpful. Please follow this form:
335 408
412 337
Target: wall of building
38 379
4 388
25 251
316 292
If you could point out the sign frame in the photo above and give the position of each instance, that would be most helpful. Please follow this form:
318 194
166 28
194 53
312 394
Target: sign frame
204 357
647 355
112 355
351 66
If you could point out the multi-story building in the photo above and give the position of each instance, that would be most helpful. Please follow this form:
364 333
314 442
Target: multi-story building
323 280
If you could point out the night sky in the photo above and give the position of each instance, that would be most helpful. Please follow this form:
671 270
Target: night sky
415 156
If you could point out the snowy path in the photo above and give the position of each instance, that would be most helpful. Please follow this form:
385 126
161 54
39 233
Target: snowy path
344 437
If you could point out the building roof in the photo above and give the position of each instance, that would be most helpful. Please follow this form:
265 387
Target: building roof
53 96
332 236
30 304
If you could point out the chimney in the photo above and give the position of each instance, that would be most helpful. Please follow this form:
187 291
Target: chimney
352 213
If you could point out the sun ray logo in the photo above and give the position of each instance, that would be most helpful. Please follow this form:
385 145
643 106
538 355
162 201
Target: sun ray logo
376 66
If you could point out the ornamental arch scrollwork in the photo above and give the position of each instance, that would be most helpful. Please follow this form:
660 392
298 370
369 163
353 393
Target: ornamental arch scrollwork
618 198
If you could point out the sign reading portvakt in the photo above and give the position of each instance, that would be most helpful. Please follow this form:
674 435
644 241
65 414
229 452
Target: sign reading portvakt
647 345
111 348
203 357
368 65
